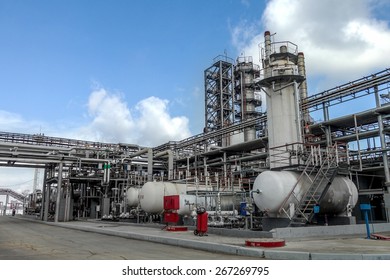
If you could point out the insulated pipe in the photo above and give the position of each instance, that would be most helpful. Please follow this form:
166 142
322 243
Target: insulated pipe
149 151
303 86
6 205
297 112
302 72
45 197
26 160
327 128
64 159
358 143
383 141
141 152
150 165
59 183
36 147
170 161
267 42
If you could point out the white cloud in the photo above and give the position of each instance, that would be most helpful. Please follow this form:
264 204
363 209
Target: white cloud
148 123
156 126
110 119
11 122
341 40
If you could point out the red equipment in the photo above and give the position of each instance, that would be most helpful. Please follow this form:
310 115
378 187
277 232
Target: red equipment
201 223
171 202
171 217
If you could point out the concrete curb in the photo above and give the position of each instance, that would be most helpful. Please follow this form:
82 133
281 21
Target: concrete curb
223 248
327 230
192 244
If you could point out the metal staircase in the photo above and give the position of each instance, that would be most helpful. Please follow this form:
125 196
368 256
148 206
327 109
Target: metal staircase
320 169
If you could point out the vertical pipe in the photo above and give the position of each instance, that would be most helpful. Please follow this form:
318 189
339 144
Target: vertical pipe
47 203
205 82
59 183
297 112
327 129
67 202
44 190
188 168
358 143
104 173
367 224
221 107
170 165
6 205
205 171
150 165
224 169
302 72
303 86
243 109
108 172
383 141
267 42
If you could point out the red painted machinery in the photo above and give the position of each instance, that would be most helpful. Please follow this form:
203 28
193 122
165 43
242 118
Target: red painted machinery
201 222
171 217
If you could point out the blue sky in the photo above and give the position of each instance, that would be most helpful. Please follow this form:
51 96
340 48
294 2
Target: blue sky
132 71
55 53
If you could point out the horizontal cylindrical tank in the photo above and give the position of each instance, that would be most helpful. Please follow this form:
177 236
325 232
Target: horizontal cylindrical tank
250 134
151 196
132 196
271 188
186 204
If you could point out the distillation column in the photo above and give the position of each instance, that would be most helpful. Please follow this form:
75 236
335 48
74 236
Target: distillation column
247 101
280 81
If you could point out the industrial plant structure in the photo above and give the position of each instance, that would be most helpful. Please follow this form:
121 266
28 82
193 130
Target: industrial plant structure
262 161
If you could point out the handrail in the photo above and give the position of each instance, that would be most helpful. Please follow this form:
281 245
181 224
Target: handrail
315 158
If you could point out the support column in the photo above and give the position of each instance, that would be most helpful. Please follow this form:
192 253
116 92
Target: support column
383 142
6 205
44 209
46 203
327 128
206 175
224 171
150 165
67 202
298 113
59 183
170 165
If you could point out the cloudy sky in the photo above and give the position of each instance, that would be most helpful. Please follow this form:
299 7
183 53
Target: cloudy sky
132 71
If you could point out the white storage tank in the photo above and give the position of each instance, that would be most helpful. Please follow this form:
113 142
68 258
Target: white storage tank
187 204
272 187
151 196
132 196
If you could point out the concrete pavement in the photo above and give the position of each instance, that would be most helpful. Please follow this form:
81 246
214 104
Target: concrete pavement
308 243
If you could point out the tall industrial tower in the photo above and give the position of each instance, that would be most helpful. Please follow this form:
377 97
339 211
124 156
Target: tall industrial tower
281 78
247 101
218 81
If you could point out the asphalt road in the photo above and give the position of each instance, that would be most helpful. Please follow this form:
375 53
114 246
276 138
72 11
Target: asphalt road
28 240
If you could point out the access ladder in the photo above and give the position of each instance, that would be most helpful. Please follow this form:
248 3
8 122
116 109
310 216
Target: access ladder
319 171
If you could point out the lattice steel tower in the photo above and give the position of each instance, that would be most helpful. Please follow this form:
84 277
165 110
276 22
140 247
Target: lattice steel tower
218 81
